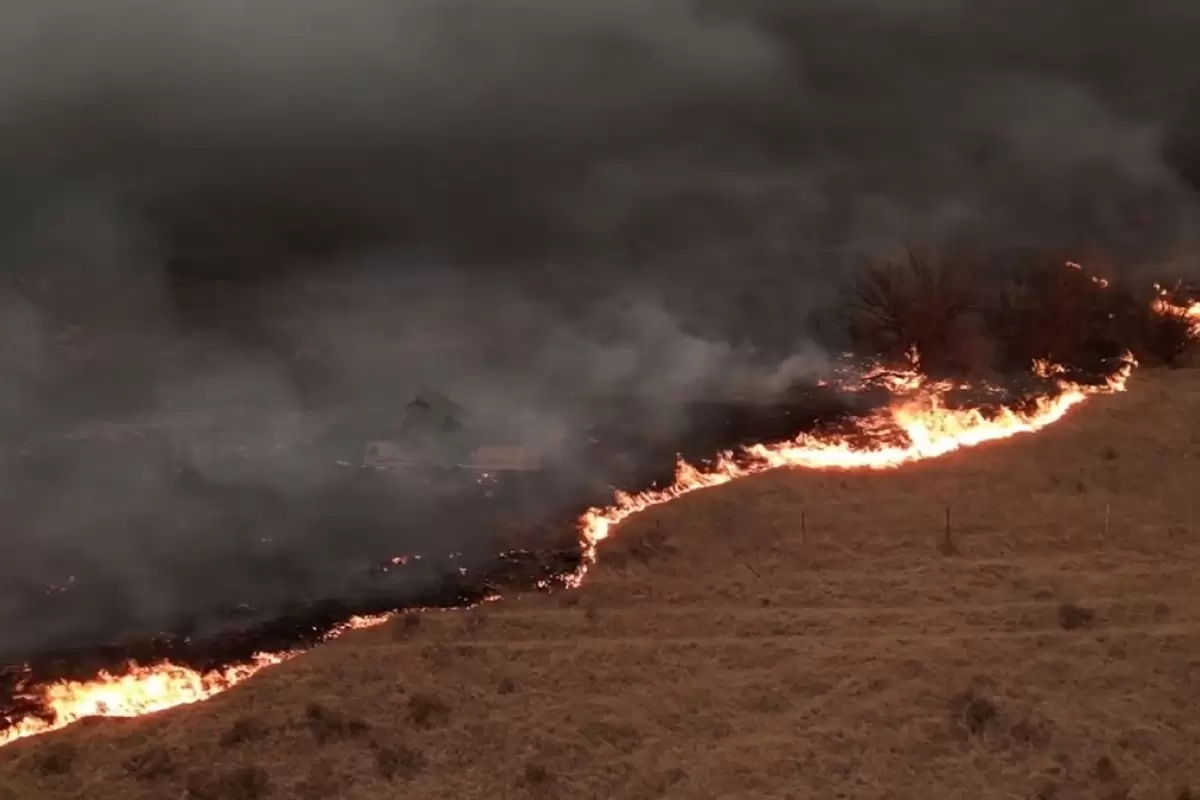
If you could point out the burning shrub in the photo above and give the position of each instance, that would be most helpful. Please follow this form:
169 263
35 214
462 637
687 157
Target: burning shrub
1008 310
1171 326
1046 307
902 311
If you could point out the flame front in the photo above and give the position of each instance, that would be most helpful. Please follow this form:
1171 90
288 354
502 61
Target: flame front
145 690
913 429
142 690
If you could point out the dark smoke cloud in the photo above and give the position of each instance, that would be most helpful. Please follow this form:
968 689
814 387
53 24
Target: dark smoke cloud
227 226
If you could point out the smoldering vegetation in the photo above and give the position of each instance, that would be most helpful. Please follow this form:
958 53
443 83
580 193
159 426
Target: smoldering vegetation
237 238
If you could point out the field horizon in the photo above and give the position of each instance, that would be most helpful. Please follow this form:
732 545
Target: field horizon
794 634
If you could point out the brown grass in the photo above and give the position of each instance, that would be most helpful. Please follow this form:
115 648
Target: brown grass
715 654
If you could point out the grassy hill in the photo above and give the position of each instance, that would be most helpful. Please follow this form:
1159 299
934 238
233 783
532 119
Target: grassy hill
716 652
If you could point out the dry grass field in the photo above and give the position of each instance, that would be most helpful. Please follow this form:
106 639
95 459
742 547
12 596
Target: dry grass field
716 652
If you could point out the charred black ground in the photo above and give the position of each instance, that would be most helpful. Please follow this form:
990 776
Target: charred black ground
527 520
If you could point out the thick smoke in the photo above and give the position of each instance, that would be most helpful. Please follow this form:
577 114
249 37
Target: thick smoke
234 231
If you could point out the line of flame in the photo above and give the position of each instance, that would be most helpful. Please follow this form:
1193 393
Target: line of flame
144 690
928 430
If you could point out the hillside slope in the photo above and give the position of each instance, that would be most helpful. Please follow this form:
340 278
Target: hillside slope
792 635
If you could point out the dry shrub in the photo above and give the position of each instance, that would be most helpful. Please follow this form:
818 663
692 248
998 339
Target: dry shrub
972 712
406 627
1071 616
971 314
537 775
896 310
328 724
427 710
152 764
249 782
242 731
57 758
399 762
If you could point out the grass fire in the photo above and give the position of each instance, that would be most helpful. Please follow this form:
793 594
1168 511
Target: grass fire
670 400
921 420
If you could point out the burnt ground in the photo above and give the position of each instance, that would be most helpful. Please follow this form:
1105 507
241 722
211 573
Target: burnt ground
251 567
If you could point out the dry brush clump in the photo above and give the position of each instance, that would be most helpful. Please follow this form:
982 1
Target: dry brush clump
906 312
246 782
962 316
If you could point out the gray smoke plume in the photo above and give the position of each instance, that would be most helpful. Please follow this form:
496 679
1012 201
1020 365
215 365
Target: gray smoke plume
229 227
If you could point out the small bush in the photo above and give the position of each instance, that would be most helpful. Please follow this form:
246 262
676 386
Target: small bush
248 782
326 724
475 620
1071 616
1105 769
152 764
901 311
407 626
536 774
972 712
57 758
399 762
427 710
243 730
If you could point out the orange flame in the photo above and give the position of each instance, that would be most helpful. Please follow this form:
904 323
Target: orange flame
913 429
145 690
1170 303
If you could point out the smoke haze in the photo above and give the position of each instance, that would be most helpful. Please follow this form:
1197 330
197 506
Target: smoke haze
227 226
